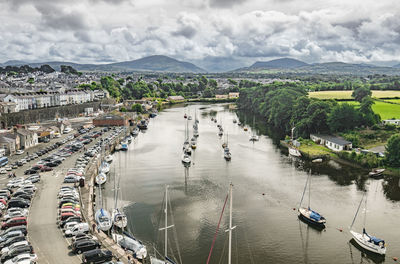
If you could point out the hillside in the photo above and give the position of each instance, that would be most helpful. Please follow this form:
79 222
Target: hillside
155 63
284 63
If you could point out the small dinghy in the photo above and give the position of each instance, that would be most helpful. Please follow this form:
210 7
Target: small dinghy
376 173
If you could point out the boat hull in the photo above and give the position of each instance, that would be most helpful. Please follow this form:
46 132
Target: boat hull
294 152
362 241
304 214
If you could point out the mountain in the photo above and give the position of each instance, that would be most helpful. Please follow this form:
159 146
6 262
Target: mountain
340 68
157 63
396 66
284 63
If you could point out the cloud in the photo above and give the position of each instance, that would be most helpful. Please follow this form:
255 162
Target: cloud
238 31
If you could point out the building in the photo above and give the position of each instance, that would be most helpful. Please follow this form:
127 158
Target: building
8 107
110 120
27 138
221 96
395 122
332 142
233 95
176 98
9 142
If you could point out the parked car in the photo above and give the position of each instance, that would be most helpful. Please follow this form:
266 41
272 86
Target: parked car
14 246
19 152
97 256
20 203
12 240
84 245
16 221
78 228
22 258
17 251
7 235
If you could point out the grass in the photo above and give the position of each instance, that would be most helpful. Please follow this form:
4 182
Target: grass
313 149
385 110
347 94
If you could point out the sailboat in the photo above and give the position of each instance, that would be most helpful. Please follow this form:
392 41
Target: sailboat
366 241
308 215
135 131
186 159
193 143
105 167
118 216
292 150
186 144
101 178
254 136
102 217
166 259
108 158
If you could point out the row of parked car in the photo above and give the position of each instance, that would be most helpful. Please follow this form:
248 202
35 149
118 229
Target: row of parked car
15 200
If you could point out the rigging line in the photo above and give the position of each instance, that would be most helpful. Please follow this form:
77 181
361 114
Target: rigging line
236 242
248 247
223 250
175 233
358 209
304 191
159 220
216 232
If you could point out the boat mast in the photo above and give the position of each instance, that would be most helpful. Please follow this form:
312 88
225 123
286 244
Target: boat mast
309 191
166 223
358 209
365 213
230 225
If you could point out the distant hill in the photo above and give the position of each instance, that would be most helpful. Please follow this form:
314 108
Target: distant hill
157 63
396 66
284 63
295 66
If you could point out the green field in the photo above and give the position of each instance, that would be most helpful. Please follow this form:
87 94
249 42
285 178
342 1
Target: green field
347 94
385 110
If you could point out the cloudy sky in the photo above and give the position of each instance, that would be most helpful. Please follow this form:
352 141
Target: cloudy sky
227 32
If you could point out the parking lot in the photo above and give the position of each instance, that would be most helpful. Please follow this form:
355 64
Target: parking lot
46 237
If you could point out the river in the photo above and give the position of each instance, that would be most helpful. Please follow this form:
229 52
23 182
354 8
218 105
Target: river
267 187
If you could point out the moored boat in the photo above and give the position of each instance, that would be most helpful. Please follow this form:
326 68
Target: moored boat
186 158
108 158
119 218
103 219
375 173
130 243
101 178
124 147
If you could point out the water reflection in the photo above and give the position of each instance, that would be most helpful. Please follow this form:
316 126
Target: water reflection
365 255
391 187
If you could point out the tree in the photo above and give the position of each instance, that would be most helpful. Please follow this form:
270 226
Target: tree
369 118
343 117
393 151
137 108
360 92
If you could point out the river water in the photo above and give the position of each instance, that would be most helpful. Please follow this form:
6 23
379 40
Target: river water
267 186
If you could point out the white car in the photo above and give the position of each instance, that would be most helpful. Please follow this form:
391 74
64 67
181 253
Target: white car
70 225
15 183
22 259
3 171
15 212
14 246
23 161
19 152
8 168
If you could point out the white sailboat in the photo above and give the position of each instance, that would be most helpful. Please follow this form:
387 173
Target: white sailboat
166 259
118 216
105 167
292 150
186 159
101 178
366 241
254 136
108 158
102 216
306 213
186 144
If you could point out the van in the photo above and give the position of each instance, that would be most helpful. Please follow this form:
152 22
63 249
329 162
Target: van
79 228
97 256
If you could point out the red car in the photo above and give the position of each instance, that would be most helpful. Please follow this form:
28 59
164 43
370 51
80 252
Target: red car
3 202
46 168
16 221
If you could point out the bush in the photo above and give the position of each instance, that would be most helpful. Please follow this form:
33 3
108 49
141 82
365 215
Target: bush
123 109
375 127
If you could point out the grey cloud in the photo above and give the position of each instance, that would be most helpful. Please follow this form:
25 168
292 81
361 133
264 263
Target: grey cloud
56 18
225 3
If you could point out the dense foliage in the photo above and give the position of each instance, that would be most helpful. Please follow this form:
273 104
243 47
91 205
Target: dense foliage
26 69
286 105
393 151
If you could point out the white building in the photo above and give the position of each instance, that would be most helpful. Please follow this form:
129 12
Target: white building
331 142
395 122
